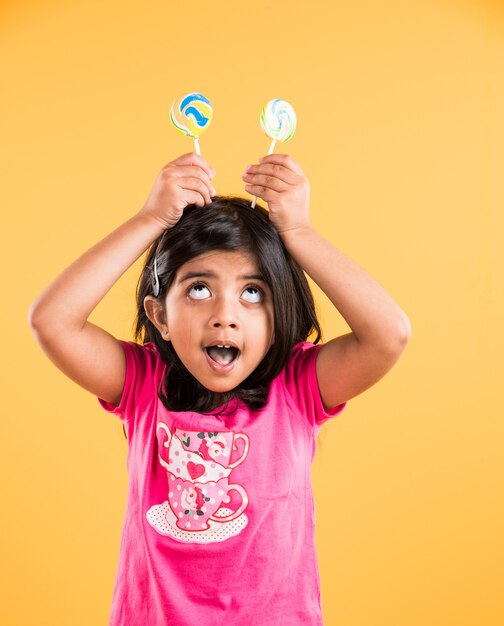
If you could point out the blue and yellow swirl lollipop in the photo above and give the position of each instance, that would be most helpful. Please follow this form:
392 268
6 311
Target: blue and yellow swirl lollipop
278 120
191 114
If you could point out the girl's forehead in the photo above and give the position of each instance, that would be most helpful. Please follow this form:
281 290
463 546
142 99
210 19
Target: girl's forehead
231 261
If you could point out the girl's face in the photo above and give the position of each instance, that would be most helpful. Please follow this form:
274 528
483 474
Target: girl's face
220 299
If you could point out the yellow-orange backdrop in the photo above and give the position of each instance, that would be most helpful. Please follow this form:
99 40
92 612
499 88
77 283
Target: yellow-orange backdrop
401 132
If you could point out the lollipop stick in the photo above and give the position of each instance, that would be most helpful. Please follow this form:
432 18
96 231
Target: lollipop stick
196 145
272 147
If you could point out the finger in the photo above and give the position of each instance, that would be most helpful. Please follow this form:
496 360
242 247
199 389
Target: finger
282 159
184 171
266 181
261 192
191 158
275 170
192 183
193 197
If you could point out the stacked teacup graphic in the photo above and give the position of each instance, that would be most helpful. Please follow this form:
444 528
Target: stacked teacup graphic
199 465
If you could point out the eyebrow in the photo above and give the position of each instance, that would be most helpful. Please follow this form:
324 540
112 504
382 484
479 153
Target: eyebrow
212 275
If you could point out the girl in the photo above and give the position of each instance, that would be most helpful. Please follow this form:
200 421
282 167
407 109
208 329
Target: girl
223 400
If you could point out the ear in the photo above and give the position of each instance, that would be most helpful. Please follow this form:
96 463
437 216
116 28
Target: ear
157 315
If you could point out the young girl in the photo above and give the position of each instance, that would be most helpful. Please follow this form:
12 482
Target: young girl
223 400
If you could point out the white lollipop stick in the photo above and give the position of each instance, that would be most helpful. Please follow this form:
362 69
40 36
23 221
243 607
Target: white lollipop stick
272 147
196 145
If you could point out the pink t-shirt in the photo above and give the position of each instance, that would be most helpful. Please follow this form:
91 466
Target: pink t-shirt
220 519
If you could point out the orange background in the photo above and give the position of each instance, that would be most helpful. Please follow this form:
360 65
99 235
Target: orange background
401 133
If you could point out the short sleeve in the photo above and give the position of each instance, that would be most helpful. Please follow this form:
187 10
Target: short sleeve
302 385
140 383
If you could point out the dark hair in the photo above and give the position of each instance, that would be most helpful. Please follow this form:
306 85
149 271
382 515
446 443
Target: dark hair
230 224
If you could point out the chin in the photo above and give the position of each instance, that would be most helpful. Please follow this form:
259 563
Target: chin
219 386
219 389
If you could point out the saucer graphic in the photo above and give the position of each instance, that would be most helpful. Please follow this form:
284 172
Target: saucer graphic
162 519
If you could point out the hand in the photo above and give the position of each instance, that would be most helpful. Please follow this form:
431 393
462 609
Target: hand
184 181
279 181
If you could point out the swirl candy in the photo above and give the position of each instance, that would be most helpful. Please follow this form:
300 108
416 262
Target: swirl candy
191 115
278 120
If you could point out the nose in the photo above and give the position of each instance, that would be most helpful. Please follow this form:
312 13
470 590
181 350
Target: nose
224 314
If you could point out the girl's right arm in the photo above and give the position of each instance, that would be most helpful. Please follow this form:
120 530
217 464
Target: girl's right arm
86 353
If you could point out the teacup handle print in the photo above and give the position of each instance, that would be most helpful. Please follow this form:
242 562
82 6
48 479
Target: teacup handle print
162 426
245 449
238 511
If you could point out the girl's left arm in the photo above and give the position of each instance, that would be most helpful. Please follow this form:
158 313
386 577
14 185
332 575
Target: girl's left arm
349 364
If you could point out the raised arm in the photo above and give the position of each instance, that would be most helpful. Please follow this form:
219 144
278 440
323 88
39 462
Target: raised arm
351 363
58 317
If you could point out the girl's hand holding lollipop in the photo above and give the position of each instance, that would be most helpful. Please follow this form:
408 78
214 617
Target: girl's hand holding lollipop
279 180
278 121
184 181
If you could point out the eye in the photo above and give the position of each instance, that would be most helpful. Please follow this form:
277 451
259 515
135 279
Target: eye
253 294
198 291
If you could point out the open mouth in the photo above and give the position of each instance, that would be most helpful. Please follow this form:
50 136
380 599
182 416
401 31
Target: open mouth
223 355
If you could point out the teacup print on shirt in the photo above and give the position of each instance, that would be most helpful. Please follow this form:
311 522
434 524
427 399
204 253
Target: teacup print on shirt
198 467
